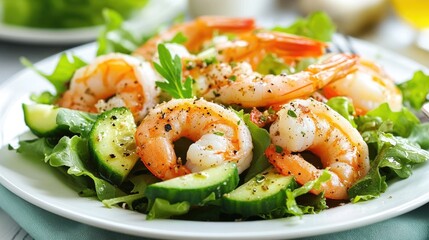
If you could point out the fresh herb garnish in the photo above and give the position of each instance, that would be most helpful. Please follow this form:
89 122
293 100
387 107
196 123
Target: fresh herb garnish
291 113
171 69
219 133
232 78
59 78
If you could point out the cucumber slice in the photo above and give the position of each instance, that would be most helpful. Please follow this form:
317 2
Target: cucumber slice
195 187
42 120
261 194
112 144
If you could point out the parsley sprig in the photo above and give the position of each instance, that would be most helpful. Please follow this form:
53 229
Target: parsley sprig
171 69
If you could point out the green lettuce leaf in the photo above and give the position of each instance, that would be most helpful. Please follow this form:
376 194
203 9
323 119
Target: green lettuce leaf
395 157
59 78
291 204
115 37
317 25
383 118
261 140
344 107
140 182
420 135
38 148
73 154
163 209
415 91
78 122
271 64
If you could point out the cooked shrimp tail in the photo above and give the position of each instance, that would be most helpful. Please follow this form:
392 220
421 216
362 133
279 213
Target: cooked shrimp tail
254 46
240 84
197 32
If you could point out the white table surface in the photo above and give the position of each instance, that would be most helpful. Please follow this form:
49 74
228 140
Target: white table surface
391 33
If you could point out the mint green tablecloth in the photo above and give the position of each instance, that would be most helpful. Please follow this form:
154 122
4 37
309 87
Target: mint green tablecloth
43 225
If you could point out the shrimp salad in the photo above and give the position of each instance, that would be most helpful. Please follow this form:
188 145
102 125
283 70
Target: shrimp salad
218 119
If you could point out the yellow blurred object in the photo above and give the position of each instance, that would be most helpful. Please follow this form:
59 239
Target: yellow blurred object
415 12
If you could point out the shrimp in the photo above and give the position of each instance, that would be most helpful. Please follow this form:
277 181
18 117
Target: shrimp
312 125
112 80
253 47
368 87
239 84
197 33
248 44
218 134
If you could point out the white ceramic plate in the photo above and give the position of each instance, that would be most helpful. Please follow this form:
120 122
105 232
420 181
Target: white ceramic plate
151 16
42 186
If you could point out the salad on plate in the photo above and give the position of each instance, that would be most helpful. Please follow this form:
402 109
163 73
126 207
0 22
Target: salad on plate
217 119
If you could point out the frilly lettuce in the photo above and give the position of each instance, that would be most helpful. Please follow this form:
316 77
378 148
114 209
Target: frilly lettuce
59 78
64 14
415 91
395 141
115 37
317 26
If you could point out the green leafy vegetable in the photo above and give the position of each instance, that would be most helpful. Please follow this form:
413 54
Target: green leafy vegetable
395 157
261 141
115 37
59 78
38 148
420 135
271 64
394 140
171 69
77 121
291 195
344 107
73 154
140 183
415 91
317 26
64 14
400 123
127 199
163 209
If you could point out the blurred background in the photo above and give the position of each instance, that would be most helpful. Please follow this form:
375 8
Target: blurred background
39 28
